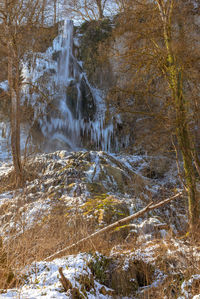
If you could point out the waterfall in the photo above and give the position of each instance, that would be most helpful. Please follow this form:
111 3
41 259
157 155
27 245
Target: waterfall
66 53
80 109
75 115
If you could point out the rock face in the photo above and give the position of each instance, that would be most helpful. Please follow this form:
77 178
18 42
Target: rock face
92 35
98 185
86 105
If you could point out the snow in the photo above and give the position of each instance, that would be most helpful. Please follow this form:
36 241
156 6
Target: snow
43 279
186 286
40 194
4 85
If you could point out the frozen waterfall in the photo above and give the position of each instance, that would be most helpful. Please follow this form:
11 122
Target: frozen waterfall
74 116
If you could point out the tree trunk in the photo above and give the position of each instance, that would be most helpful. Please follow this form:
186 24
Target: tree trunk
14 86
100 9
43 12
55 12
174 76
185 144
184 141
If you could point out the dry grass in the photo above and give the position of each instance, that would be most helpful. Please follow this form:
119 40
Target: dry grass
8 181
61 228
55 232
179 265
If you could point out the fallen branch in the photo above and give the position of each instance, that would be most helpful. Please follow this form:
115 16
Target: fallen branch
73 292
65 282
112 226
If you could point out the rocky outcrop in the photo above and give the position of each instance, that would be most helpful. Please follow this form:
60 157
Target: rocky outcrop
100 186
92 36
69 195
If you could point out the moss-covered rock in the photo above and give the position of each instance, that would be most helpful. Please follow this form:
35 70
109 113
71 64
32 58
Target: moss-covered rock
96 188
93 34
101 186
123 276
105 210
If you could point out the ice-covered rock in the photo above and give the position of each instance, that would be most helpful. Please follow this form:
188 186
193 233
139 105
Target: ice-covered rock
102 186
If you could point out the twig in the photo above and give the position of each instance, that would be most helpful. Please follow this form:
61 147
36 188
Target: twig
120 222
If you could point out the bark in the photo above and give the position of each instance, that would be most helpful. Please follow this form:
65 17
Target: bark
55 11
186 147
100 9
43 12
65 282
14 86
190 176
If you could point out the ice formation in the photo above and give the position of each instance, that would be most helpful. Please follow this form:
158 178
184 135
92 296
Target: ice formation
78 114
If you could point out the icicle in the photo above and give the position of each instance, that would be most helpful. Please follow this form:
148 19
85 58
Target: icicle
68 122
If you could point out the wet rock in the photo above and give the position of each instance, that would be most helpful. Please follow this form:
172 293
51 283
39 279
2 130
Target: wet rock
72 96
88 107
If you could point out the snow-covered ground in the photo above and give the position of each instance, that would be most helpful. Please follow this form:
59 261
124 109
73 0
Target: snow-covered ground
64 180
43 280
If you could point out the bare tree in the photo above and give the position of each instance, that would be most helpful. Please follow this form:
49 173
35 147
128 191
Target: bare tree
44 2
87 9
161 60
15 15
55 11
174 73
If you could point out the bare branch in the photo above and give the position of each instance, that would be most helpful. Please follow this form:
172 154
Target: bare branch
112 226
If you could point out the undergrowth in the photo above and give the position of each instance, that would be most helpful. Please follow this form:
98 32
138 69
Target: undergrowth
58 231
63 227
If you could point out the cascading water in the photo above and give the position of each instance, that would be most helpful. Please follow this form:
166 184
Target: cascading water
78 115
64 74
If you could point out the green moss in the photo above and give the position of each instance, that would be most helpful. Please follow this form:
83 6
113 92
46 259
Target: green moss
99 266
96 188
106 209
96 30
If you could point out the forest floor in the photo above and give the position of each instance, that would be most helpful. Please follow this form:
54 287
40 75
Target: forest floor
69 196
